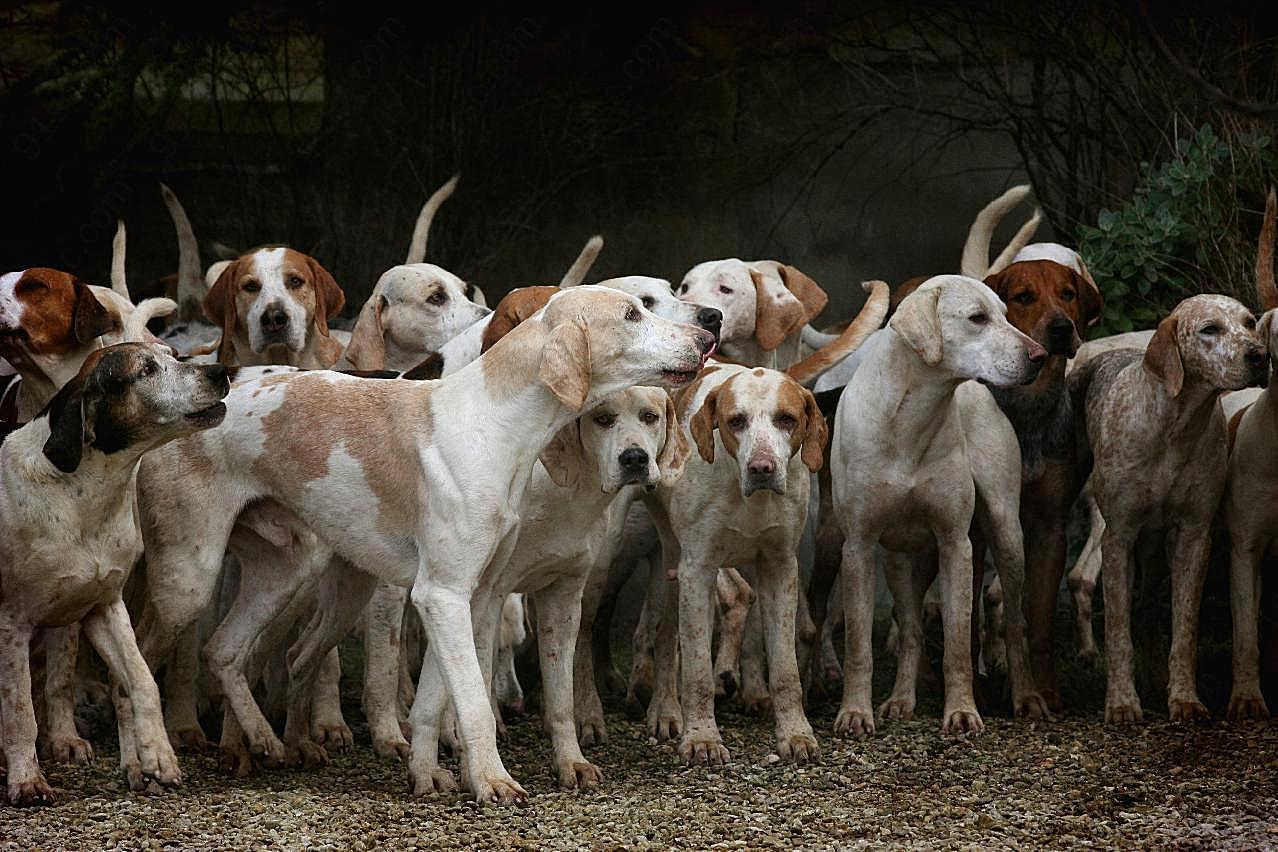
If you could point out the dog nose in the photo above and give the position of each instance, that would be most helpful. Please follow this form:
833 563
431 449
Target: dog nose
711 319
1060 327
1037 354
633 458
274 319
1255 357
217 373
760 467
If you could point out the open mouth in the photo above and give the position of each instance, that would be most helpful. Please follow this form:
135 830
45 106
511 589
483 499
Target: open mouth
210 416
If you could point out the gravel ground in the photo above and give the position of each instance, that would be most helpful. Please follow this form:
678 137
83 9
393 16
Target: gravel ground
1071 782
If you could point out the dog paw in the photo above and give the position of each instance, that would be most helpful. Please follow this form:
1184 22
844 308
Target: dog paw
1032 705
500 791
235 761
392 747
268 750
897 709
704 748
33 791
1119 711
962 721
334 737
159 763
854 722
306 754
189 739
74 750
592 732
1187 711
431 781
664 725
578 774
1243 707
725 685
798 748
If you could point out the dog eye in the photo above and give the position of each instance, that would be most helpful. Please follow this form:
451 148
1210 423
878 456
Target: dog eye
294 282
148 369
683 289
1250 322
648 302
605 421
252 286
30 285
648 418
439 297
727 291
737 422
1210 330
1067 295
1026 298
979 319
632 314
785 421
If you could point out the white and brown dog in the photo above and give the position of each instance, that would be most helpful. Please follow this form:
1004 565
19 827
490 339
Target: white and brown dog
443 485
70 538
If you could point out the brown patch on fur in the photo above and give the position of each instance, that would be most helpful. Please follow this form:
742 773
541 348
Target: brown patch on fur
810 434
684 397
905 288
1038 292
868 321
807 291
773 322
515 307
319 415
718 406
59 312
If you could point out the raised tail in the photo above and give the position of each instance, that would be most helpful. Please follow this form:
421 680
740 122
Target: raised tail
417 248
119 283
1020 241
868 321
1265 289
190 283
976 251
581 266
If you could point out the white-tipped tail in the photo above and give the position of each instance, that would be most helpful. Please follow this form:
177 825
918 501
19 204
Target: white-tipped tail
119 283
1019 241
870 320
976 251
190 285
147 310
581 266
1265 289
417 248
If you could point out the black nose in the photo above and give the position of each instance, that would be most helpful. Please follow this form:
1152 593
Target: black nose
633 458
1255 357
216 373
710 319
1060 327
274 319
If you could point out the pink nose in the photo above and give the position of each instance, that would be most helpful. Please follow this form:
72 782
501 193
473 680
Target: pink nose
760 467
1037 354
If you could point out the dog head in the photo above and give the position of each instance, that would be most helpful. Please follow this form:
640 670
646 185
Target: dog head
414 309
632 438
598 341
132 396
1049 301
657 296
48 312
957 324
763 418
763 300
272 298
1211 339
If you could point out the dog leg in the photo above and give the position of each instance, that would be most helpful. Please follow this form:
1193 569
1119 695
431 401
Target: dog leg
640 686
955 552
1082 584
907 612
701 741
111 633
1006 542
778 585
1121 701
1246 701
856 713
558 623
383 630
588 709
754 661
598 607
26 783
735 598
425 775
61 646
1188 571
328 727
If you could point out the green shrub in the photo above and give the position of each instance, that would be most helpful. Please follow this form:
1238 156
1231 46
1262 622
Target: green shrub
1180 233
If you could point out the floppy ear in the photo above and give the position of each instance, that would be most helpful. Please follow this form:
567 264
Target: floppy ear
1162 357
563 456
71 413
675 450
89 319
1265 331
774 320
702 426
367 349
807 291
219 307
328 296
998 284
815 433
565 364
917 323
1089 296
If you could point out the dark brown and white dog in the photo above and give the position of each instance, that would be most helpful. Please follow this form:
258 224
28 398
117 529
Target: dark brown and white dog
69 538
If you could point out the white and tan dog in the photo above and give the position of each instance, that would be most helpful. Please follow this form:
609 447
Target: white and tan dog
441 468
69 538
915 443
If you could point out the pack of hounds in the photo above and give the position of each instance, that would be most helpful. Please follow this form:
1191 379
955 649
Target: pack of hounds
218 485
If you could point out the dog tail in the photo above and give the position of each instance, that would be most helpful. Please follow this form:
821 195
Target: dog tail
1023 235
190 284
147 310
417 248
976 251
1265 289
866 323
119 283
581 266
